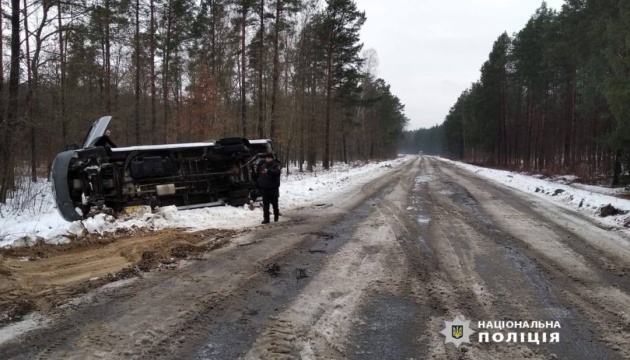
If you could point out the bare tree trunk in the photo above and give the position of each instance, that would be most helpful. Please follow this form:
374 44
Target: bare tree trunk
137 61
108 69
177 95
152 66
291 131
311 153
213 59
165 69
29 96
244 9
261 114
276 70
301 155
345 149
62 79
8 182
541 135
528 124
573 126
568 124
617 168
4 145
498 149
329 86
34 80
504 116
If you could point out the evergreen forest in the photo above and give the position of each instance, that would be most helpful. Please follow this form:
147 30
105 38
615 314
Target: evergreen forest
552 98
172 71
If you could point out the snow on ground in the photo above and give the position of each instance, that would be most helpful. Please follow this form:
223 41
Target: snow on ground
28 323
30 215
25 222
587 199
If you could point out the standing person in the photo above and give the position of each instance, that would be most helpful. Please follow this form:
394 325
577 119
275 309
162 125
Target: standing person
269 184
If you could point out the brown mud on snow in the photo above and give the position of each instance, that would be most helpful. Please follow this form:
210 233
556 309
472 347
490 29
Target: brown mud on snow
44 275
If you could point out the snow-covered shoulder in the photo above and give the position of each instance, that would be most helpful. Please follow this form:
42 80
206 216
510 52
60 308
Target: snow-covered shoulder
596 201
40 221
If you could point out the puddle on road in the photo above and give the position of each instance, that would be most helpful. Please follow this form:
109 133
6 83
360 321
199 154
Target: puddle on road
416 205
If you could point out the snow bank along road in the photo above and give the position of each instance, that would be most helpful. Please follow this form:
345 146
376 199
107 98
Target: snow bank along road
373 275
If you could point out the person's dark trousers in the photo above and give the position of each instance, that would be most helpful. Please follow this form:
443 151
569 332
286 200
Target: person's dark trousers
270 196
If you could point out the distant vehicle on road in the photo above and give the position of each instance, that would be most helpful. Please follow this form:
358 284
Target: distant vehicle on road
420 153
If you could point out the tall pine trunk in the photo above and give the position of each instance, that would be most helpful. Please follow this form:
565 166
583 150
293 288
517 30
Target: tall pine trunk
4 146
276 70
541 134
504 116
213 59
29 97
301 156
329 87
108 68
62 79
244 10
33 70
8 181
569 123
152 70
165 69
528 124
261 113
311 157
137 82
344 145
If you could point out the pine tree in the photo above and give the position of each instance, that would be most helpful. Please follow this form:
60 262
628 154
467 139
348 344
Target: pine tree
241 21
283 9
339 34
532 73
494 88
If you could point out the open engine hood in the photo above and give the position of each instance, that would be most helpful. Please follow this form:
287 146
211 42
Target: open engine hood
96 131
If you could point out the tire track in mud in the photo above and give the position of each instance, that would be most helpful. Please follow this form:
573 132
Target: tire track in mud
257 303
321 313
299 312
265 296
398 320
556 269
456 264
372 276
326 312
165 312
443 280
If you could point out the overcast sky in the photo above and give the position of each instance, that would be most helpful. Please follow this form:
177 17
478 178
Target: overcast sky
430 51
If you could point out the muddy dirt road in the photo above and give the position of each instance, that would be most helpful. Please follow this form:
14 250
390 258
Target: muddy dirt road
373 275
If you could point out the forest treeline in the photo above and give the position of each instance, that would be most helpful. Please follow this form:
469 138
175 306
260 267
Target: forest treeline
183 70
430 141
554 97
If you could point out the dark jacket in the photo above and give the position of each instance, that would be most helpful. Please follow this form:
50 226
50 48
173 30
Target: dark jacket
271 178
105 141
